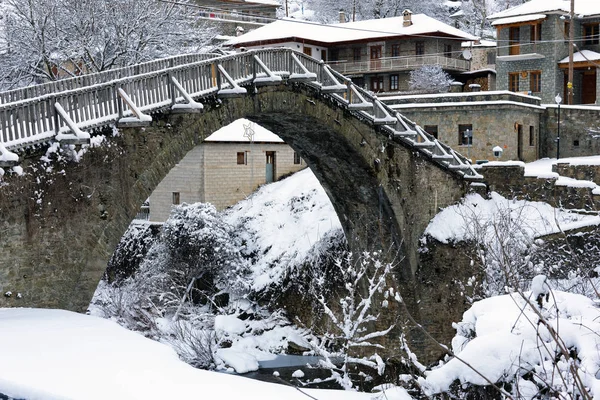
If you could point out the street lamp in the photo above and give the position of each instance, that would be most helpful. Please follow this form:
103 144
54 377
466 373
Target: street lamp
469 140
558 100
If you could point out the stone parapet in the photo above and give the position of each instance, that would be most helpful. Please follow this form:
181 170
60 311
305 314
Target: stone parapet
510 181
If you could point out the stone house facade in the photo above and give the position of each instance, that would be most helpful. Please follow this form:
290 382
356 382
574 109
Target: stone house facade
377 54
224 169
533 50
474 123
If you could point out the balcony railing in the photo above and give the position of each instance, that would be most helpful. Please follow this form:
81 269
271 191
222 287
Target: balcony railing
388 64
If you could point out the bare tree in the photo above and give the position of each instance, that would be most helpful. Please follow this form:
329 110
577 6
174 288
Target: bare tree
363 278
49 39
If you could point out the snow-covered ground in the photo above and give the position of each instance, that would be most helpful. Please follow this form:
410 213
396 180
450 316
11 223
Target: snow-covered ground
55 354
465 220
283 221
501 339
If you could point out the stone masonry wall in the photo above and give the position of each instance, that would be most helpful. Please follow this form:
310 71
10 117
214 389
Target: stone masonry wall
185 178
226 182
579 131
210 173
509 181
493 125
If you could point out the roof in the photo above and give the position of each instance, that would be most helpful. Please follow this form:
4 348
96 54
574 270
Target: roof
519 18
290 29
234 132
582 56
583 8
274 3
479 43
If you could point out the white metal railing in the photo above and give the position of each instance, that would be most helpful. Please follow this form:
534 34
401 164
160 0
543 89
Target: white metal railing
399 64
64 114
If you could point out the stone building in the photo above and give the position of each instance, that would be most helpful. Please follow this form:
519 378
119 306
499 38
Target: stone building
225 168
474 123
377 54
533 49
482 55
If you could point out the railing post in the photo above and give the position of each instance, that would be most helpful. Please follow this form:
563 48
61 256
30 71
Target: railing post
117 100
172 93
55 117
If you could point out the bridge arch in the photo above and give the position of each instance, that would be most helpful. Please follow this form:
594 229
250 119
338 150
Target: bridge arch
385 176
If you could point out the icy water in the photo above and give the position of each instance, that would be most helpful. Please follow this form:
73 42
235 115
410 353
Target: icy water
286 365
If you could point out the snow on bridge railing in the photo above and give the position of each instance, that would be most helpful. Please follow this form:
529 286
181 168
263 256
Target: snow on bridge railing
85 80
126 100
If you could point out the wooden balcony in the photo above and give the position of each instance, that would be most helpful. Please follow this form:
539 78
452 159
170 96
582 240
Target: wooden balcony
391 64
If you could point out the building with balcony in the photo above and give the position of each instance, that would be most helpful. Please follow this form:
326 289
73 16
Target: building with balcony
377 54
533 49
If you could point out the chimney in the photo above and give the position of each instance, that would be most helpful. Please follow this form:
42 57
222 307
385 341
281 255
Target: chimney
342 15
407 14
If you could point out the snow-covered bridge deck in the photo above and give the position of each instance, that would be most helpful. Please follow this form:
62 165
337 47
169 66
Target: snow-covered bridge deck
64 110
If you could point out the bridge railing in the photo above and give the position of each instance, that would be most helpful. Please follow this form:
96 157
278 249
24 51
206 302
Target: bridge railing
63 114
100 77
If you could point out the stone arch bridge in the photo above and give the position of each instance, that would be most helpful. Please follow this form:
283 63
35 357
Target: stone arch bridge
60 222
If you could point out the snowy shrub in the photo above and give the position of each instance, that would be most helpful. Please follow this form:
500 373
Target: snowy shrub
429 78
131 251
195 346
193 259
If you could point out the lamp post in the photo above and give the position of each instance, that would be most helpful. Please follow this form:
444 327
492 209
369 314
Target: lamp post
558 100
469 140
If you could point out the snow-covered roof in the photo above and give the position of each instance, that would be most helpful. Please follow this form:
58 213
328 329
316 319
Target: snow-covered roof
264 2
479 43
350 31
235 131
581 56
519 18
583 8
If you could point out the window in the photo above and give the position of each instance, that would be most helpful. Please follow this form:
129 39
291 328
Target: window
535 33
567 30
491 58
297 159
334 55
575 143
394 82
514 36
241 158
535 81
176 199
448 50
465 135
432 130
377 84
419 48
531 136
356 54
513 82
308 51
591 33
395 50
